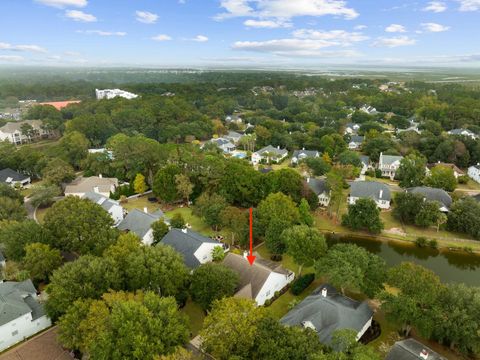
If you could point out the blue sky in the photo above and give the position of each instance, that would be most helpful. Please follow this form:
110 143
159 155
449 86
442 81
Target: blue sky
240 32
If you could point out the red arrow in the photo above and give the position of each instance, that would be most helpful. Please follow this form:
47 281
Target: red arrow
251 257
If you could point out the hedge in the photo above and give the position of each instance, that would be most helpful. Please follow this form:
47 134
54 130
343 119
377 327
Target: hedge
302 283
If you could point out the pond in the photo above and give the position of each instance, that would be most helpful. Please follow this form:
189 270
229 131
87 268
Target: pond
450 266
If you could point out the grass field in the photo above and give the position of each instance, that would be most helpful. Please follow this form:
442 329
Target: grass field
196 316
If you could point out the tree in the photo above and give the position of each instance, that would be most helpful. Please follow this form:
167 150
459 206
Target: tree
160 229
335 183
139 184
74 148
364 214
287 181
16 235
442 177
177 221
164 185
58 171
12 209
415 303
212 282
275 214
306 245
429 214
184 187
349 157
218 254
80 225
348 266
124 325
40 260
304 211
463 217
411 171
406 206
318 165
43 195
10 192
345 341
230 328
236 220
209 207
179 354
88 277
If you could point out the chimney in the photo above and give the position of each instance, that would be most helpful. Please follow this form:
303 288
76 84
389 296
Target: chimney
96 189
424 354
100 176
381 194
145 210
303 148
184 230
245 254
324 292
308 180
278 147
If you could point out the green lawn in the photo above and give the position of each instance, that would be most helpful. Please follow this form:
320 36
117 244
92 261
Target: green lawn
140 203
196 316
40 214
471 185
195 222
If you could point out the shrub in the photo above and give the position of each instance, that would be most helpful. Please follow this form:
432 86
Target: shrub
421 242
463 179
302 283
276 257
177 222
433 244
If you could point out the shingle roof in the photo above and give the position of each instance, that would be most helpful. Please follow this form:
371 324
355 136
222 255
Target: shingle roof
448 165
365 159
271 149
11 127
357 139
389 159
139 222
330 313
101 200
433 194
11 174
305 153
252 277
460 132
88 184
318 186
410 349
370 189
18 299
186 243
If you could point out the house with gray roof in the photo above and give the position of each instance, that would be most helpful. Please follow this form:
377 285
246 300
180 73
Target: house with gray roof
14 131
224 144
411 349
259 281
355 142
434 194
365 164
233 136
21 314
299 155
99 184
140 223
111 206
13 178
351 129
320 188
378 192
195 248
389 164
269 154
326 311
463 132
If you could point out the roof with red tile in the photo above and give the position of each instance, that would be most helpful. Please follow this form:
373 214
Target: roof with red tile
59 105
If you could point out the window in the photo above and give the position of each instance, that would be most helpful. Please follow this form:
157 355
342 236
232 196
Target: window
15 333
267 293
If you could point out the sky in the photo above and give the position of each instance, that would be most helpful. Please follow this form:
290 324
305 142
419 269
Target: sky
264 33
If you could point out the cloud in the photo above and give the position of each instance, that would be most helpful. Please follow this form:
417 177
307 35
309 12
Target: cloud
285 9
102 33
433 27
78 15
26 48
146 17
394 41
64 3
267 24
11 58
395 28
337 37
199 38
162 37
435 6
71 53
360 27
469 5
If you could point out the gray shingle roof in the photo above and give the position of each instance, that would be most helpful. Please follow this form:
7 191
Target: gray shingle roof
330 313
318 186
410 349
305 154
389 159
252 278
11 174
18 299
365 159
101 200
273 150
186 243
370 189
139 222
88 184
357 139
11 127
433 194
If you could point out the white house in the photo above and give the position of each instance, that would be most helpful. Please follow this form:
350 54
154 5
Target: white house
237 119
269 154
13 178
320 188
433 194
378 192
412 349
365 164
113 93
140 223
355 142
351 128
370 110
233 136
326 311
299 155
111 206
97 184
21 314
196 249
474 173
463 132
389 164
12 131
259 281
224 144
